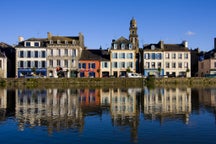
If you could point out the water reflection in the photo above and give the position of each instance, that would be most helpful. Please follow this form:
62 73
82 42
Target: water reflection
59 109
160 103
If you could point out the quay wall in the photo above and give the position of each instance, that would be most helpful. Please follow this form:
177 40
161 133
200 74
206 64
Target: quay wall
104 82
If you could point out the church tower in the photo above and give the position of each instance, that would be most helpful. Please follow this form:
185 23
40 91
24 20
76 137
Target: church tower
133 37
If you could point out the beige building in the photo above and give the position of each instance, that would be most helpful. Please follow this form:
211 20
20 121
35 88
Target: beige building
123 52
167 59
64 52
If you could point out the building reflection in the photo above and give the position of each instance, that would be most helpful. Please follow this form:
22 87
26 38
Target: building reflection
166 104
55 108
123 110
58 109
3 104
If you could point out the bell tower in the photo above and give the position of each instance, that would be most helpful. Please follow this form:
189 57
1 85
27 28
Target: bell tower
133 37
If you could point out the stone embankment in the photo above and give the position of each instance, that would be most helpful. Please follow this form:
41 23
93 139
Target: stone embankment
104 82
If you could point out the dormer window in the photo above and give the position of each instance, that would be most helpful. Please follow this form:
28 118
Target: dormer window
28 44
36 44
115 46
66 42
74 42
130 46
51 41
122 46
58 42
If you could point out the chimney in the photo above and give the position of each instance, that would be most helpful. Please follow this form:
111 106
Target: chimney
49 35
20 38
185 43
161 43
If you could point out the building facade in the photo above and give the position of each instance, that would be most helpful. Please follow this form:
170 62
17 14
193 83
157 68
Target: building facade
31 57
64 52
167 59
207 62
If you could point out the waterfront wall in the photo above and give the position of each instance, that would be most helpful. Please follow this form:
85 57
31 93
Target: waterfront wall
104 82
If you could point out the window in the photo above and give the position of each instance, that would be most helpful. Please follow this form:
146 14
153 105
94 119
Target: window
21 64
159 65
58 62
73 53
66 52
122 64
82 65
36 54
186 55
91 65
122 46
173 65
28 44
114 64
105 64
130 55
36 64
115 46
29 64
167 65
180 65
130 46
147 64
58 42
153 55
122 55
114 55
0 63
130 64
51 41
167 56
186 65
51 63
73 63
66 42
147 56
215 64
36 44
43 54
21 54
173 56
65 63
74 42
28 54
43 64
51 52
59 52
153 64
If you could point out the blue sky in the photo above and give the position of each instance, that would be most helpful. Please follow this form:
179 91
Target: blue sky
100 21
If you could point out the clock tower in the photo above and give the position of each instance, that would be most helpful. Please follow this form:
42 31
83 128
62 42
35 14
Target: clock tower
133 37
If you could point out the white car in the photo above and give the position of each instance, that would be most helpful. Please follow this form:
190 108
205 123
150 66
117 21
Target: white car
134 75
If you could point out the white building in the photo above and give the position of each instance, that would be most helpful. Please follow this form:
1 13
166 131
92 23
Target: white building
167 59
30 57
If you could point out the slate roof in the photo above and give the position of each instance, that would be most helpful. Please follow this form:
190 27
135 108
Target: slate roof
119 41
2 55
165 47
95 54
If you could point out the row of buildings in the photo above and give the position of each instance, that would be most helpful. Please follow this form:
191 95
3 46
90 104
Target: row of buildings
42 56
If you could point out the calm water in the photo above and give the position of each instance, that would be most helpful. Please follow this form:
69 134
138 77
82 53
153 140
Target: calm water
107 115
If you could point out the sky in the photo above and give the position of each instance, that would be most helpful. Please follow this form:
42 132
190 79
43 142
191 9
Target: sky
101 21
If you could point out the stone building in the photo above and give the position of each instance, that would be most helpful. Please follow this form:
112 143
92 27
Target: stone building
64 52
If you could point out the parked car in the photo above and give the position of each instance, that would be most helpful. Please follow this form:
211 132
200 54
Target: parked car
134 75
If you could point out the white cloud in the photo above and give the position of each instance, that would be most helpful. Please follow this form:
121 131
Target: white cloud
190 33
